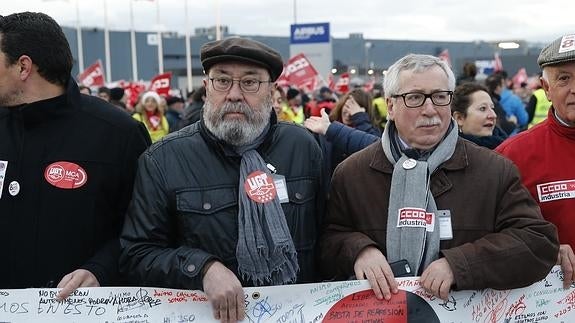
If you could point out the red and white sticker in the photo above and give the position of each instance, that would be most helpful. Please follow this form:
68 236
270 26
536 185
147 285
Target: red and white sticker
553 191
414 217
260 187
567 43
65 175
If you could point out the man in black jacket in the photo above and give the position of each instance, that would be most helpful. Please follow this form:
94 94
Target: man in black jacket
232 200
67 164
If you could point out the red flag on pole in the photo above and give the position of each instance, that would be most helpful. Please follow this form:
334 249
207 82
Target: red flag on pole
161 83
342 85
300 73
497 64
444 56
92 76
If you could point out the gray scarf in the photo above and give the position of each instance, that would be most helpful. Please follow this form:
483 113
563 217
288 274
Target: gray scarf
265 251
410 189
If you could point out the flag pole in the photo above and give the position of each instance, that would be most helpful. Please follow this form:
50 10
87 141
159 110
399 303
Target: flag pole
79 38
107 44
188 52
160 49
133 44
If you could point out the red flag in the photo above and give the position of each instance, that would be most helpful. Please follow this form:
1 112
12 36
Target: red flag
444 56
497 64
300 73
92 76
133 90
330 82
342 85
520 77
161 83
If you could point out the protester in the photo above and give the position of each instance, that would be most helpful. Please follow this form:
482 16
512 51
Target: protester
84 90
474 111
104 93
151 112
280 104
512 105
468 75
294 110
407 198
545 153
193 112
538 105
67 164
206 212
118 98
175 112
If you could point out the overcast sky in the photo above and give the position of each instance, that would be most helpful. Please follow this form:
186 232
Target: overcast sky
446 20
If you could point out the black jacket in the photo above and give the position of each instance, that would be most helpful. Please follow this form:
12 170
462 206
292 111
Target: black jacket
47 231
185 205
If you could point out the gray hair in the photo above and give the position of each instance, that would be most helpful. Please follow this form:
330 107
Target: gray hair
417 63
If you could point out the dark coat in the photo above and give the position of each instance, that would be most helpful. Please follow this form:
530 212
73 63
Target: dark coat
47 232
185 207
498 230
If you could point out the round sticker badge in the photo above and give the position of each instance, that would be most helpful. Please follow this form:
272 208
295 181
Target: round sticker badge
14 188
65 175
409 163
260 187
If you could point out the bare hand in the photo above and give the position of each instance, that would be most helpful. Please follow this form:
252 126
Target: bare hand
437 278
318 125
74 280
371 264
352 106
513 119
225 292
566 259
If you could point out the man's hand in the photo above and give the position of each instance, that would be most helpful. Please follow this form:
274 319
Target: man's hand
566 259
437 278
225 292
72 281
371 264
318 125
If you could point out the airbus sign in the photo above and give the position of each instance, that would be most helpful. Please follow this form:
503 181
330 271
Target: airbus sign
309 33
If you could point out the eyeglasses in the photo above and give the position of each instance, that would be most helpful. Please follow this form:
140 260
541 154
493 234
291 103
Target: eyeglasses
247 84
416 99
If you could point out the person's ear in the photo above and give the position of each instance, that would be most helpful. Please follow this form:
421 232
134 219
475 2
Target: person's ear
25 65
459 118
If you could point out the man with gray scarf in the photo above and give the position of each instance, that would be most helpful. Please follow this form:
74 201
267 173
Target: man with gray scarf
456 213
229 201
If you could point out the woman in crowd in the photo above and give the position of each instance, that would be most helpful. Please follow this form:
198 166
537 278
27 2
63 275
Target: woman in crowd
150 111
279 103
474 111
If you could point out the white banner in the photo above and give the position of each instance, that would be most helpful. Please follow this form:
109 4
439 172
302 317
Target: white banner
347 301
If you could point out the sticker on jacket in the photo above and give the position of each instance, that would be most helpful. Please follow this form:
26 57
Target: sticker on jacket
65 175
3 167
260 187
553 191
413 217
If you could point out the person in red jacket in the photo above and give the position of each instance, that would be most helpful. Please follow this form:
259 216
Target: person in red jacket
546 152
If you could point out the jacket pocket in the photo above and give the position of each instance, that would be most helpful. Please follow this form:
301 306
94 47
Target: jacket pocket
207 219
301 214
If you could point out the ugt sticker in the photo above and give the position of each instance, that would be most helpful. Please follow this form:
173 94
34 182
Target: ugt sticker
260 187
65 175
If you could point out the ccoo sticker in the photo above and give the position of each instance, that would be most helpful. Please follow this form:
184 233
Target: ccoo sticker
260 187
65 175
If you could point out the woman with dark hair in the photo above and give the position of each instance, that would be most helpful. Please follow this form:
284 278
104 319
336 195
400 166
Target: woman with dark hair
355 109
474 111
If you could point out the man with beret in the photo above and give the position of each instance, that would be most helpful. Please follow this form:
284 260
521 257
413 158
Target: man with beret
545 154
232 200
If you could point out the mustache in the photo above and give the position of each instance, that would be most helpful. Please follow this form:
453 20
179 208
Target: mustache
427 122
236 107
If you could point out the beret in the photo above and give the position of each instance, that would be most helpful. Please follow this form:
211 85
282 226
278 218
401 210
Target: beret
243 50
561 50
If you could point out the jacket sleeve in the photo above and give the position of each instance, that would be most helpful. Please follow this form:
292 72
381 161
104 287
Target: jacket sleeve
340 242
522 249
521 113
348 139
104 263
150 254
361 122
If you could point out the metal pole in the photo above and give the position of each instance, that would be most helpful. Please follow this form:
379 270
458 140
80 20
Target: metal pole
107 44
160 49
133 44
218 22
188 52
79 38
